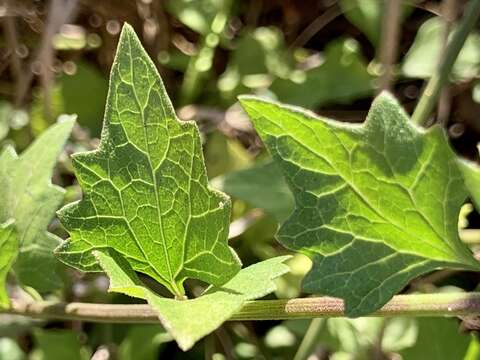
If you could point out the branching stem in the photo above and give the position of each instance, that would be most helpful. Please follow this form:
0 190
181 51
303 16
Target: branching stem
445 304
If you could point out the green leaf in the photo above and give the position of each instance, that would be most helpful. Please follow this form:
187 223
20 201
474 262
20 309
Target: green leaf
190 320
272 58
377 203
471 175
31 200
197 15
143 342
8 253
88 105
342 78
59 345
358 337
146 193
422 58
367 15
9 350
438 339
262 186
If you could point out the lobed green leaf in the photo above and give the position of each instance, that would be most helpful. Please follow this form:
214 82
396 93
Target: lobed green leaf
377 204
30 200
146 192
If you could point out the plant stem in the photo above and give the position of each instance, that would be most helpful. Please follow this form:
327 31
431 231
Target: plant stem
390 35
432 90
447 304
310 339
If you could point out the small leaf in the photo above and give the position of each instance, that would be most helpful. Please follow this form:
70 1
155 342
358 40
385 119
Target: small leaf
31 200
190 320
146 192
8 253
377 203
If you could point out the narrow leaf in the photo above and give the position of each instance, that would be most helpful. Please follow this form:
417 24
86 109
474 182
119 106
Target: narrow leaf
31 200
146 192
377 203
190 320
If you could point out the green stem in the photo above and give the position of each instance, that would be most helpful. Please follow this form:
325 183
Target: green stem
310 339
432 90
448 304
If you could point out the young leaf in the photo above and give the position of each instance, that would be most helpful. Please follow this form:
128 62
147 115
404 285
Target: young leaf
146 193
377 204
29 198
190 320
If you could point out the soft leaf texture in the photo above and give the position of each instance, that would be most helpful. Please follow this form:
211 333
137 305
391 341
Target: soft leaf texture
377 203
29 198
190 320
8 253
146 193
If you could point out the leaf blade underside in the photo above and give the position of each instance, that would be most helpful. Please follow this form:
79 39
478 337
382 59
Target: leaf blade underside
146 193
377 204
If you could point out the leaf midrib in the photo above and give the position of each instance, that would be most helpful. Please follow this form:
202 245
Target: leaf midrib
154 178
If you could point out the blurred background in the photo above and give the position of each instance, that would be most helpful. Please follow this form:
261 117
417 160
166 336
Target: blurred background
329 56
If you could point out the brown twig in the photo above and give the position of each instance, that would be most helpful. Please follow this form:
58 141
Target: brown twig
59 12
389 42
11 38
315 26
449 14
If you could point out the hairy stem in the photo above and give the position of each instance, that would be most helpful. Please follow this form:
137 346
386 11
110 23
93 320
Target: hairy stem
448 304
432 90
